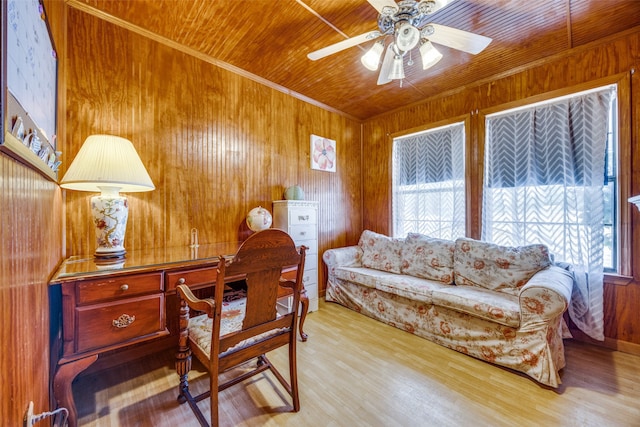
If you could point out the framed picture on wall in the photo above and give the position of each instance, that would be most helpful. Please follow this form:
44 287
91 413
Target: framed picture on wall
323 154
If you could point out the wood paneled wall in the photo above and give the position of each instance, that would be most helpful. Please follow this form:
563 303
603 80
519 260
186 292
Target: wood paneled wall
216 144
616 56
31 212
31 232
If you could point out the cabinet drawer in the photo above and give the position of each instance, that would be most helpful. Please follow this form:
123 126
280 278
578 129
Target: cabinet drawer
193 278
302 216
311 261
109 288
310 277
137 317
302 232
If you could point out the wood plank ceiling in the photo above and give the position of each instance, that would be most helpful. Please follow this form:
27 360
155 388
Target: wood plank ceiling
269 40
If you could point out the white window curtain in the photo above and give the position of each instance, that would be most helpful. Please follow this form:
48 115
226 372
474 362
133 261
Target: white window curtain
428 183
544 177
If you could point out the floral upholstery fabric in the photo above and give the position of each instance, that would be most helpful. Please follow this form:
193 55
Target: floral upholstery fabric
428 257
348 256
500 268
408 286
520 330
481 303
381 252
233 313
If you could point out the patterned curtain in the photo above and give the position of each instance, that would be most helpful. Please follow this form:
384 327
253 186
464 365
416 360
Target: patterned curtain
428 183
544 177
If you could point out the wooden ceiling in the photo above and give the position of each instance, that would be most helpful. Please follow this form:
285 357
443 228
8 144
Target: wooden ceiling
268 40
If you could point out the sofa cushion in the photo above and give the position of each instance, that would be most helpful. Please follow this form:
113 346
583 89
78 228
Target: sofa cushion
499 268
497 307
410 287
361 275
380 252
428 258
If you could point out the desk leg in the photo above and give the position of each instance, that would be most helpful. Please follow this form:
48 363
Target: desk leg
304 302
62 380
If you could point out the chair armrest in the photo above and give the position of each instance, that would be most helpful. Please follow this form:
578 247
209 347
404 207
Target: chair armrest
545 296
206 305
347 256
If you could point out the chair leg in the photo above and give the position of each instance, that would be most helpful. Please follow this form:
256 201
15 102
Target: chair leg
213 398
260 361
293 375
183 356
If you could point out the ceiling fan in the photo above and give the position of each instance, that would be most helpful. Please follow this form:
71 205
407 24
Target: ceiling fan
407 23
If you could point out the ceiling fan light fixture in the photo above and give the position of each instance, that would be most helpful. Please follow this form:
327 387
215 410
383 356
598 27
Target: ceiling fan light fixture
407 36
397 69
371 59
429 55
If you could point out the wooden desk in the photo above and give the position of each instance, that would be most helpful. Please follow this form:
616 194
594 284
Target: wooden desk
107 307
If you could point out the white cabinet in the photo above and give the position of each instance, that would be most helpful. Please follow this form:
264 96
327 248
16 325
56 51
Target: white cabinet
299 218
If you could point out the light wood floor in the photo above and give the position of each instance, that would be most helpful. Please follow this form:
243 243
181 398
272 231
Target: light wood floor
355 371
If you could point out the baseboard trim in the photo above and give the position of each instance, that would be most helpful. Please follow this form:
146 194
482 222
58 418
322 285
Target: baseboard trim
611 343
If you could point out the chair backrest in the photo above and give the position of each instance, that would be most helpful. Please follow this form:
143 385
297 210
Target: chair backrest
260 261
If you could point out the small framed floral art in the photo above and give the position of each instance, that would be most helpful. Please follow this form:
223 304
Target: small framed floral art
323 154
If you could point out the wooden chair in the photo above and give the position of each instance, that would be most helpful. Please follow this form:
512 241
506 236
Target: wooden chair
231 333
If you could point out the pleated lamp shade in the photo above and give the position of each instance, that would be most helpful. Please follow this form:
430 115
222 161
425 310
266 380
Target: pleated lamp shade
107 160
108 164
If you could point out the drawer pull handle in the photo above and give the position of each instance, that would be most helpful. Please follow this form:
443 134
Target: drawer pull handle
303 218
123 321
303 233
124 287
181 281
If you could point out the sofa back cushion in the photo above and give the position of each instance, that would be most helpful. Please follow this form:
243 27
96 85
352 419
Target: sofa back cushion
380 252
428 258
500 268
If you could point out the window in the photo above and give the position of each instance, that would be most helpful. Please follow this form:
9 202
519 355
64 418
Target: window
428 191
538 189
550 178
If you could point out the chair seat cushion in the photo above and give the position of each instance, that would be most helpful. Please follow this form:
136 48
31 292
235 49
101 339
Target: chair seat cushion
233 313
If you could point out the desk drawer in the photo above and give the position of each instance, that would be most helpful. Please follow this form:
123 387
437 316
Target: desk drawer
109 288
137 317
193 278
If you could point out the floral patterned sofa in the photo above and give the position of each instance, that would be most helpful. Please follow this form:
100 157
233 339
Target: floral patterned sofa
500 304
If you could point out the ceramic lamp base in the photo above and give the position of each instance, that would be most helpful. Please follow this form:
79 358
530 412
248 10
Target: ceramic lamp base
110 212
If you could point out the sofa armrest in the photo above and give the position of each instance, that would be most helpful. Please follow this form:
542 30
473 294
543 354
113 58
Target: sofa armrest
348 256
545 296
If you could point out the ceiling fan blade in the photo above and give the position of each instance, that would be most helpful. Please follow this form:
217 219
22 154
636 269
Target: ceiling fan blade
380 5
458 39
385 68
344 44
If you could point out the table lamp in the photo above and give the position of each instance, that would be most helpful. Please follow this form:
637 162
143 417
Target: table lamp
108 164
